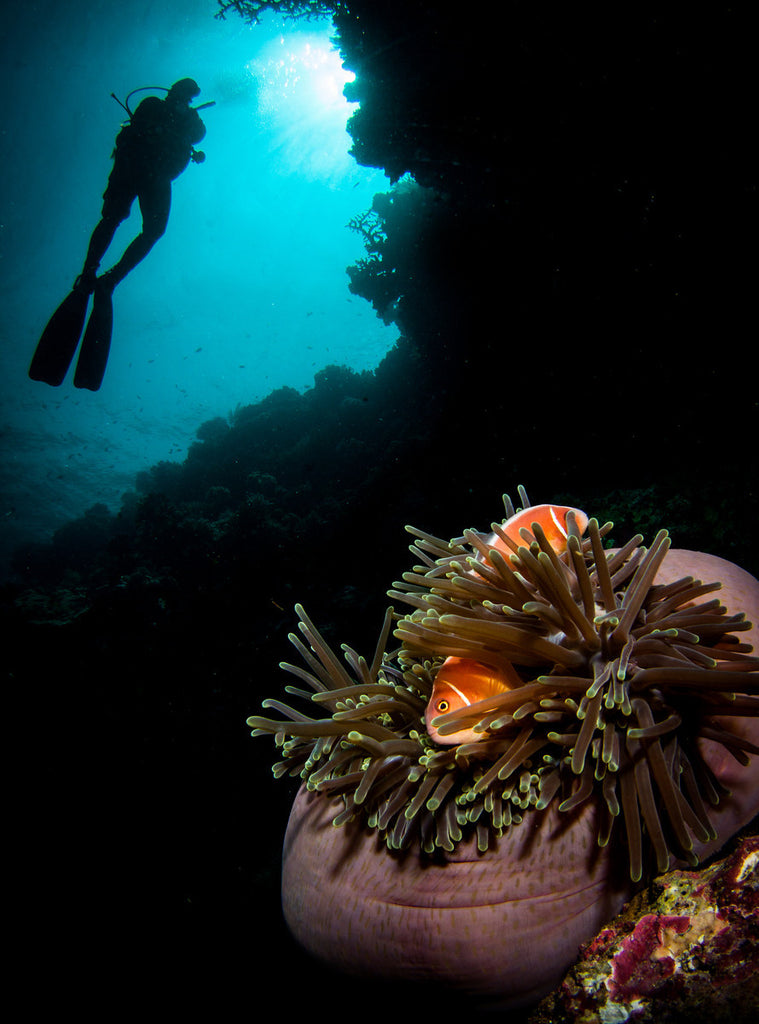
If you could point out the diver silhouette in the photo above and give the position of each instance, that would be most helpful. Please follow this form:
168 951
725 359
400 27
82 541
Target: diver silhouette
151 150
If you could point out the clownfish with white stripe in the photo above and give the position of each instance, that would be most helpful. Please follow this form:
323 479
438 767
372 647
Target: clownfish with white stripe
461 682
551 518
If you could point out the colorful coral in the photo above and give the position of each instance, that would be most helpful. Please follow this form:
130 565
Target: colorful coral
687 949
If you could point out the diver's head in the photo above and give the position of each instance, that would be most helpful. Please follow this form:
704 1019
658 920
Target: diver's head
183 91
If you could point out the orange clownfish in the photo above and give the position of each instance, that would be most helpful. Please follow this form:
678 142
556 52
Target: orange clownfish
460 682
552 519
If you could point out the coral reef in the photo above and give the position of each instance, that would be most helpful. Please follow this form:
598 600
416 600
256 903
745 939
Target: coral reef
685 949
252 10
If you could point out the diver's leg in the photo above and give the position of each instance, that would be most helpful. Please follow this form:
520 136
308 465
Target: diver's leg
155 203
100 239
117 202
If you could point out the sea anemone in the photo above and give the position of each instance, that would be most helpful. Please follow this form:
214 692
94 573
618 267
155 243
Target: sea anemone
610 682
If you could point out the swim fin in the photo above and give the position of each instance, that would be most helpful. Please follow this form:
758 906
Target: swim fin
58 342
96 343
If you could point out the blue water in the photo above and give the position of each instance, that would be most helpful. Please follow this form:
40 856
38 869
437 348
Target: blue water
246 291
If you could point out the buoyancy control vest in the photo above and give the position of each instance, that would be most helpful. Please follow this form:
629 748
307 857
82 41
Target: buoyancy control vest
159 138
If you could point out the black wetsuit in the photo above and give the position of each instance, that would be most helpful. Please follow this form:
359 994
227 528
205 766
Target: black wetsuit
152 150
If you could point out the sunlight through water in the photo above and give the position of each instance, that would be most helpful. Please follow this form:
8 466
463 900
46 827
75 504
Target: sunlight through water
299 81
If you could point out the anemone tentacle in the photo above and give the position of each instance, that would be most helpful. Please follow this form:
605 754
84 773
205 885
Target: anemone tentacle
620 675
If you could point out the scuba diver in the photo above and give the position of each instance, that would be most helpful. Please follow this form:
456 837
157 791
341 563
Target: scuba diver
152 148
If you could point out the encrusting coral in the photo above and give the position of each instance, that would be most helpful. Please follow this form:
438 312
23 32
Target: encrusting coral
684 949
619 679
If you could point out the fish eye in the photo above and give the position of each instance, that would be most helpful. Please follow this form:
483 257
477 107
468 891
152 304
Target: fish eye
442 706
